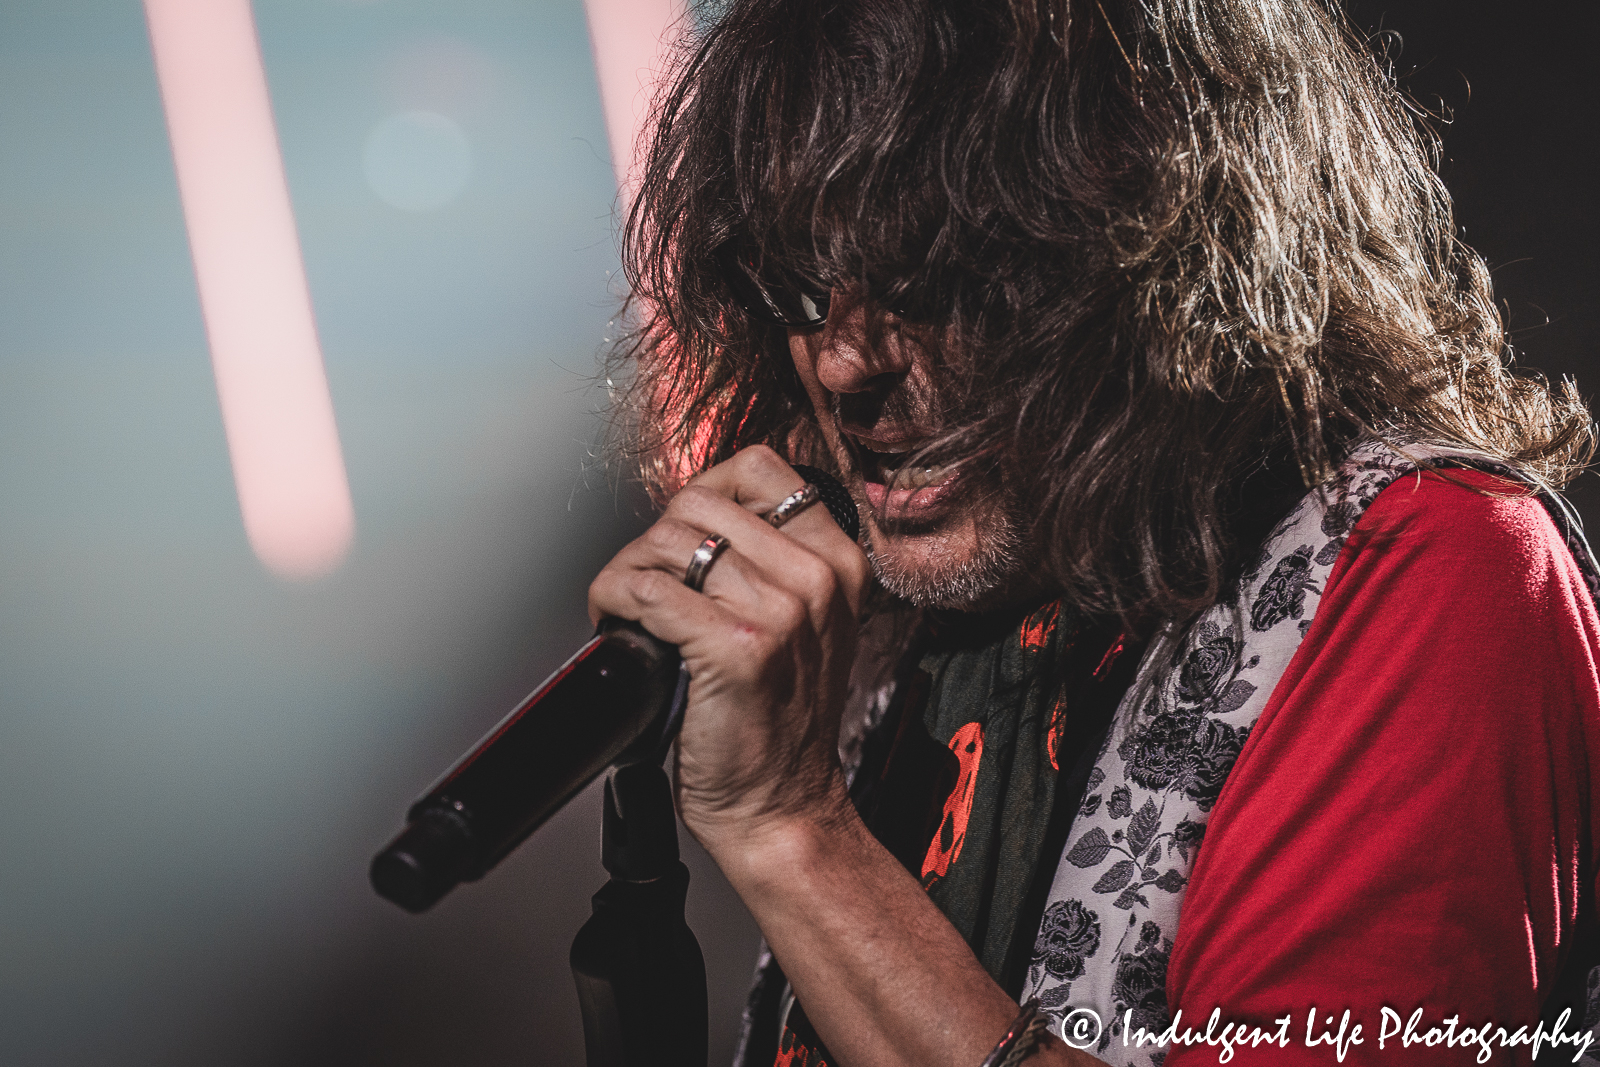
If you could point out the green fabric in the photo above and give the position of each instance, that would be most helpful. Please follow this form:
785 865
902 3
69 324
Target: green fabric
1038 685
998 679
1037 688
1008 680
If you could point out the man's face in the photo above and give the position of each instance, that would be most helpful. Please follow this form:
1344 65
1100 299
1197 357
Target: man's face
935 539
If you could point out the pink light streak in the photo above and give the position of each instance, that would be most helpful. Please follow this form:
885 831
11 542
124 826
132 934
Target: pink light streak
276 409
631 41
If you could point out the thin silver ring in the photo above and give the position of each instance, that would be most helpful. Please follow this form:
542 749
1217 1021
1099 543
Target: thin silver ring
793 504
700 563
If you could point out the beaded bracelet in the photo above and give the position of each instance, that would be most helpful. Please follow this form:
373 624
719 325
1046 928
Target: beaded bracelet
1027 1034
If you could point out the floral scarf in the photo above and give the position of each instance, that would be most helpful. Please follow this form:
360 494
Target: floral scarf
1108 928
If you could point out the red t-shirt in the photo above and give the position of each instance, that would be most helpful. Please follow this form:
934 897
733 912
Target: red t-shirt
1404 826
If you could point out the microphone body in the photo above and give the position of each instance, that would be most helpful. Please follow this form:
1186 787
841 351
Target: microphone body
618 700
597 709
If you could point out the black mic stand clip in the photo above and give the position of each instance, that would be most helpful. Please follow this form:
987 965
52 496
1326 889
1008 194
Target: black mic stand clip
640 975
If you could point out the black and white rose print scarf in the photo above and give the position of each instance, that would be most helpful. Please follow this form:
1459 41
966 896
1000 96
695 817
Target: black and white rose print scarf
1112 911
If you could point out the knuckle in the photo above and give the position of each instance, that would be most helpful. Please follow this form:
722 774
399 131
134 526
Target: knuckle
603 583
607 594
651 586
811 578
788 614
665 535
760 456
693 499
761 463
818 577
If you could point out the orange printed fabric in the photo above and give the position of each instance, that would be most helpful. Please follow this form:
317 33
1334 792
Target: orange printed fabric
963 792
794 1052
967 744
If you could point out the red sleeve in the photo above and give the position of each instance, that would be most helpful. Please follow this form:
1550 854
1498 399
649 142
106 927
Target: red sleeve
1404 825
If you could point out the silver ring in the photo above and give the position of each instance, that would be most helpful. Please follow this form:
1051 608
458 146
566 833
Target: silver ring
700 562
793 504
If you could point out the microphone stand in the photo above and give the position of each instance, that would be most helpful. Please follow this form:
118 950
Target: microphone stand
640 975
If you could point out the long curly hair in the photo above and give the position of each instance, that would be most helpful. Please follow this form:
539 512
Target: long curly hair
1162 241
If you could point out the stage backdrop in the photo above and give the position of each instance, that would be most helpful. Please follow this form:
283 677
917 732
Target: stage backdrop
197 758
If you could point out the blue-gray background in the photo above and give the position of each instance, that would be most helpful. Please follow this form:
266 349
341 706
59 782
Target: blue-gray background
196 760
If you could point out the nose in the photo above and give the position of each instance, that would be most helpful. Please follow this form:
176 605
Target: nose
861 348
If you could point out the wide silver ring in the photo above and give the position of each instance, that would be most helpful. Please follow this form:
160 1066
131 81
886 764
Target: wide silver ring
793 504
700 563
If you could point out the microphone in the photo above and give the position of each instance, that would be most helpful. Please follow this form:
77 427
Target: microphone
618 701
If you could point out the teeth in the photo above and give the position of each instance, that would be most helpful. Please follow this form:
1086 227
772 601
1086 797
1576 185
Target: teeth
919 477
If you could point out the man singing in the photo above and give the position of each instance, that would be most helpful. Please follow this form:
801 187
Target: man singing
1218 642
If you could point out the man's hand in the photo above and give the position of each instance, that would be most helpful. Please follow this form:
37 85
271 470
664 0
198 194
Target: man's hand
883 975
768 642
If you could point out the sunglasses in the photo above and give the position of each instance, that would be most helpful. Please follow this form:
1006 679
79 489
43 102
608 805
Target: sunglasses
769 294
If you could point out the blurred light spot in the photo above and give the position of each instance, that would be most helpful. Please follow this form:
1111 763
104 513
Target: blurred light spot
287 464
632 40
417 160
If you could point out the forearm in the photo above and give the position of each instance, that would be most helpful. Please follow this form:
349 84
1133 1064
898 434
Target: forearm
768 641
882 974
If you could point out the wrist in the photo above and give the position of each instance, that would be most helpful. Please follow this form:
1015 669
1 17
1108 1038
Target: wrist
753 848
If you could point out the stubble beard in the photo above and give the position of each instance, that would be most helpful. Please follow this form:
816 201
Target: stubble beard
959 580
951 579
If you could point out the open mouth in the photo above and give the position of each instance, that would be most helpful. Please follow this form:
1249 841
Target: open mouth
895 486
890 467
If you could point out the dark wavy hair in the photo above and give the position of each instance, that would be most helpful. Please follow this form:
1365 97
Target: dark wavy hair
1160 240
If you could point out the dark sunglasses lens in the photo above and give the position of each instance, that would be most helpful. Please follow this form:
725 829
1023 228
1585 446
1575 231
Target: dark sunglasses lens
789 306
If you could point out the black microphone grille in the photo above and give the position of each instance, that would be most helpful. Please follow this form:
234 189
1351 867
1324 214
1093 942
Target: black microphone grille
835 497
